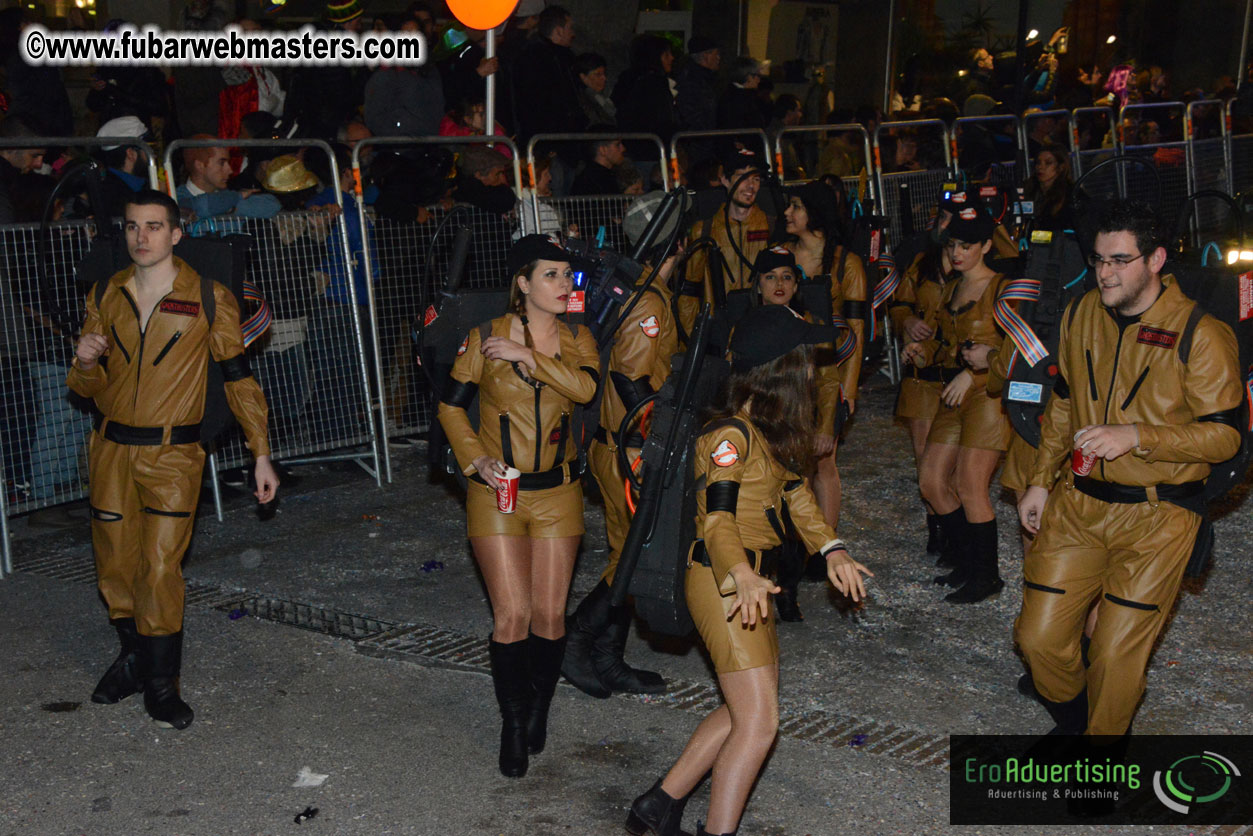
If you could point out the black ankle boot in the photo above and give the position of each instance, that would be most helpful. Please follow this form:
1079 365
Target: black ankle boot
955 552
984 579
935 535
122 678
701 831
160 659
587 622
512 680
656 813
1071 716
607 659
546 657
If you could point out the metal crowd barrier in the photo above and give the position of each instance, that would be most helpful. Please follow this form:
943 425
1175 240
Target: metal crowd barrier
1165 148
978 152
709 138
317 386
1089 149
923 188
43 430
826 155
1209 165
1058 135
591 217
412 261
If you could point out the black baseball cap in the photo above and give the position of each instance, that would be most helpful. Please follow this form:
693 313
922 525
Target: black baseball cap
768 332
738 159
972 224
774 258
530 248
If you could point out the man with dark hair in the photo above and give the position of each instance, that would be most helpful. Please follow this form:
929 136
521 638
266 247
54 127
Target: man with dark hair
597 176
127 164
145 461
546 93
740 230
1146 401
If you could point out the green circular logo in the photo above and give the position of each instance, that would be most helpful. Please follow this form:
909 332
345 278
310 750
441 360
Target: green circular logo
1194 779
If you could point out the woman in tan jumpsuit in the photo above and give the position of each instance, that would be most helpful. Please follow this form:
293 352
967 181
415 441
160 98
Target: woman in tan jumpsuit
530 372
970 431
811 216
746 460
915 311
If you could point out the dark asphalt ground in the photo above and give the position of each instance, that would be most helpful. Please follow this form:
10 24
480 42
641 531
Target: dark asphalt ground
362 657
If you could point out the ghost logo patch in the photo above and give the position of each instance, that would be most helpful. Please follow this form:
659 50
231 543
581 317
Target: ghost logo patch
650 327
464 343
555 436
177 306
725 454
1157 337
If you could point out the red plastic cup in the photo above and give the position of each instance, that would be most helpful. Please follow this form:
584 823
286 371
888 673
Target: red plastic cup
507 493
1081 463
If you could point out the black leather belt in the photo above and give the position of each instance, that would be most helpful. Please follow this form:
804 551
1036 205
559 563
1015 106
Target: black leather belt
545 479
632 440
1130 494
762 562
937 374
147 436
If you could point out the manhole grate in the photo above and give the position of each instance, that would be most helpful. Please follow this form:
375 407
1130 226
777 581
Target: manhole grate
441 648
308 617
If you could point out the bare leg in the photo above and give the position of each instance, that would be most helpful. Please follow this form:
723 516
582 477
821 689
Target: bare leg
753 699
827 488
552 566
699 754
973 477
935 477
506 566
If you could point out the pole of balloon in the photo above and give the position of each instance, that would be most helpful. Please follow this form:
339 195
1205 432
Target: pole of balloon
489 114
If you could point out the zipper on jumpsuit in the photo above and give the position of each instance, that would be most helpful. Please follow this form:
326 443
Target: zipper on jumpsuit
1113 378
539 432
143 330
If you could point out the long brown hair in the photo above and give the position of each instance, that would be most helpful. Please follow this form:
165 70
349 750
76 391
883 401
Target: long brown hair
517 300
783 394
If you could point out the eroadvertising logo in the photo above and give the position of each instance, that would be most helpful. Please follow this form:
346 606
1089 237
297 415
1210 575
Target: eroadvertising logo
1210 774
1147 779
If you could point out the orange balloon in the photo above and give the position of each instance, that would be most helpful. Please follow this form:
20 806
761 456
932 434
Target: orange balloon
482 14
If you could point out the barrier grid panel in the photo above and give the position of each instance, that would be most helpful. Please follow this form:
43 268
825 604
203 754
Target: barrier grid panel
402 253
44 427
307 363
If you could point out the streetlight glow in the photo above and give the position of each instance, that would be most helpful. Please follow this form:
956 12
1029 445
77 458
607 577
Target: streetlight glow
1033 34
1111 39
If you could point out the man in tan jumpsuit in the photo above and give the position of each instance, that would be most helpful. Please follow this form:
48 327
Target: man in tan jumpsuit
143 357
639 364
741 220
1156 413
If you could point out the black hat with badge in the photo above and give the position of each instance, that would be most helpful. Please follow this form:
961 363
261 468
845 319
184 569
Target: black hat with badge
768 332
774 258
971 223
531 248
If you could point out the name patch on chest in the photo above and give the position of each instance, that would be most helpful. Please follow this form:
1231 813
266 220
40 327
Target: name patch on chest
1157 337
758 234
177 306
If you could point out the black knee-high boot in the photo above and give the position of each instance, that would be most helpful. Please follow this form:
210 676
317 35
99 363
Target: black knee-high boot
935 535
511 677
546 657
956 547
122 678
160 660
583 626
790 567
608 652
984 580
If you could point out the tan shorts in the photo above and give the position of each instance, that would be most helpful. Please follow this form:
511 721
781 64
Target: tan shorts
918 399
731 645
979 423
1018 463
552 512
